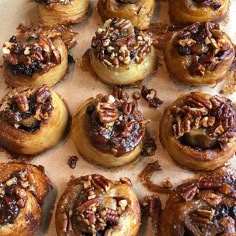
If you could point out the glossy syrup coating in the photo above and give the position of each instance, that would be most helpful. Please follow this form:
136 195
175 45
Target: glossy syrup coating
121 54
62 12
23 188
35 56
199 54
189 11
203 206
94 205
32 120
108 130
139 12
198 130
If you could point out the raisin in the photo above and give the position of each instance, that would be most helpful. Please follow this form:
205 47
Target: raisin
183 51
12 39
90 109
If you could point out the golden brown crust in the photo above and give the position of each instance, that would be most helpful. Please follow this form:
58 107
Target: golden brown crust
50 77
199 60
129 57
95 142
204 206
72 12
37 55
190 11
139 13
194 135
23 189
49 131
113 202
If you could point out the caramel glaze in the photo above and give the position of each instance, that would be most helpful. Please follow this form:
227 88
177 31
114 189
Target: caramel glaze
115 125
203 206
94 205
203 136
22 190
32 120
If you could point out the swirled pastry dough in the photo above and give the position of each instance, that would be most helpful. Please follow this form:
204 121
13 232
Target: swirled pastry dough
94 205
23 188
198 130
139 12
200 54
120 54
32 120
108 130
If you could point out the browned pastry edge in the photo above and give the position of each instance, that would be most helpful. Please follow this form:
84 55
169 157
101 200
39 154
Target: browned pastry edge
208 158
139 13
202 206
199 60
51 130
112 201
87 143
186 12
26 187
53 14
121 54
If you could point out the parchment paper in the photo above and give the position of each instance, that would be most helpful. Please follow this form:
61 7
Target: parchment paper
79 86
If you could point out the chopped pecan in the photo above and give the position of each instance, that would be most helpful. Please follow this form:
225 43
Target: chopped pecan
101 183
150 96
195 99
112 216
149 147
188 192
209 182
22 103
205 215
197 69
43 94
228 224
128 107
107 112
89 203
120 94
211 198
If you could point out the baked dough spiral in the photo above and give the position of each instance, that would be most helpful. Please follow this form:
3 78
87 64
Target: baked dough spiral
139 12
190 11
120 54
199 130
108 130
23 188
200 54
94 205
32 120
37 55
62 12
203 206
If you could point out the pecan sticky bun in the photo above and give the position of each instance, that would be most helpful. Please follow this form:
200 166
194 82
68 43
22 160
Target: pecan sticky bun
108 130
204 206
36 56
62 12
32 120
94 205
121 54
190 11
200 54
23 188
139 12
199 130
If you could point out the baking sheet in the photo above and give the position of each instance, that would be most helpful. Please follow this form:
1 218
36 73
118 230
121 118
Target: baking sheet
79 86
